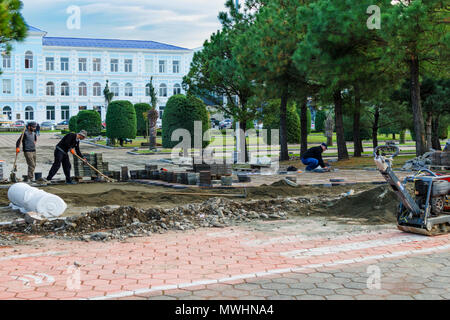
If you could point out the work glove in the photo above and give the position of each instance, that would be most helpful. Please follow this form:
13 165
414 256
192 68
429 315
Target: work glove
17 150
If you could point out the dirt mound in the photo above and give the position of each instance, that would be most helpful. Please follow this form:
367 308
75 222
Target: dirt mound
377 205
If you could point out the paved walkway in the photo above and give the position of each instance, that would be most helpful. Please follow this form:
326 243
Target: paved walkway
305 258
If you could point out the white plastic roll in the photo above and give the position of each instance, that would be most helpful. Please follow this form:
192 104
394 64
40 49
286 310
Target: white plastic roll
28 198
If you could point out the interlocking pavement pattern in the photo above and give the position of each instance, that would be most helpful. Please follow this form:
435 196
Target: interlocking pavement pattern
303 258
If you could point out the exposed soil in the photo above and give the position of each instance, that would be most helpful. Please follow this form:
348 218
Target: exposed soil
120 210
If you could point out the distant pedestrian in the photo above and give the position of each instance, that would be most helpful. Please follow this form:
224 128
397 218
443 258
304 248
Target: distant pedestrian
312 158
70 142
29 148
38 129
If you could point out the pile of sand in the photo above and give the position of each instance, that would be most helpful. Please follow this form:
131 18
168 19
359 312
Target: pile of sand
377 206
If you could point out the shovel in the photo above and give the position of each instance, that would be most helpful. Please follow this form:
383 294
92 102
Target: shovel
95 169
12 176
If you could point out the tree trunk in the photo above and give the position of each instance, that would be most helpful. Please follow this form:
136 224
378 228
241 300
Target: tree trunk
338 118
243 127
403 136
376 121
330 141
428 130
435 142
284 154
303 128
357 143
419 127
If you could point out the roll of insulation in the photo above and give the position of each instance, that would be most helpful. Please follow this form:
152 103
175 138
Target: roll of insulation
28 198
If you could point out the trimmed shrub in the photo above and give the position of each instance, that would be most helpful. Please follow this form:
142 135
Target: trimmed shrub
73 124
271 120
90 121
180 113
141 121
121 120
321 116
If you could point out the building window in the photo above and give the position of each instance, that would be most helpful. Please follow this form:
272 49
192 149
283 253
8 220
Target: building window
161 111
147 89
65 89
65 113
50 113
128 65
97 64
7 112
6 61
82 89
176 66
97 90
114 65
163 90
29 113
6 86
82 64
115 89
128 90
149 66
177 89
162 66
29 87
49 63
80 108
50 89
64 64
28 60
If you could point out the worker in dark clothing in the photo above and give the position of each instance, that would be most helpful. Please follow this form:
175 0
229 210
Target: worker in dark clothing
312 158
29 148
68 143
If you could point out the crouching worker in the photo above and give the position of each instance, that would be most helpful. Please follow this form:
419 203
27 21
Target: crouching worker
312 158
68 143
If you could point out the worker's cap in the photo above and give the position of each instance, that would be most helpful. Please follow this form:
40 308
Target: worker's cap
83 133
31 124
325 145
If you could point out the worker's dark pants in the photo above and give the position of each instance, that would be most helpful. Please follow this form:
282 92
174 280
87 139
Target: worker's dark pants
60 157
311 163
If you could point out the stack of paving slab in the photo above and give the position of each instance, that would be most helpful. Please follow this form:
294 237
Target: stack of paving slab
95 159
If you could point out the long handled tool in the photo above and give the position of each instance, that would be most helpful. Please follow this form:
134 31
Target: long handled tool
93 168
14 170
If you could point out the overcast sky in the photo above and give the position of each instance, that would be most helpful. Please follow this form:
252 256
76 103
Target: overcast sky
185 23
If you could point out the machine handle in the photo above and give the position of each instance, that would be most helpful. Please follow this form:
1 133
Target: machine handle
397 150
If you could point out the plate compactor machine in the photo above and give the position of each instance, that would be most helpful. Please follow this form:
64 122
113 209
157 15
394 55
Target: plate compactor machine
428 212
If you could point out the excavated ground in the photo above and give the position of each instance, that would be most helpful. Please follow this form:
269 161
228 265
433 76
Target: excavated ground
118 211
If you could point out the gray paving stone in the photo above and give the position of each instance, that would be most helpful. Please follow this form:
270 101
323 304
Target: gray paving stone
302 285
247 286
339 297
262 293
427 297
377 292
233 293
274 286
434 284
367 297
284 280
348 292
162 298
398 297
206 293
329 285
436 291
280 297
252 298
355 285
344 275
310 297
320 292
292 292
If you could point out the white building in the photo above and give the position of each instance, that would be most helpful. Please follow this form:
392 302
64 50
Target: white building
52 78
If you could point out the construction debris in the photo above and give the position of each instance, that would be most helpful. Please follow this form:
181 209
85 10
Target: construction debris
419 162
